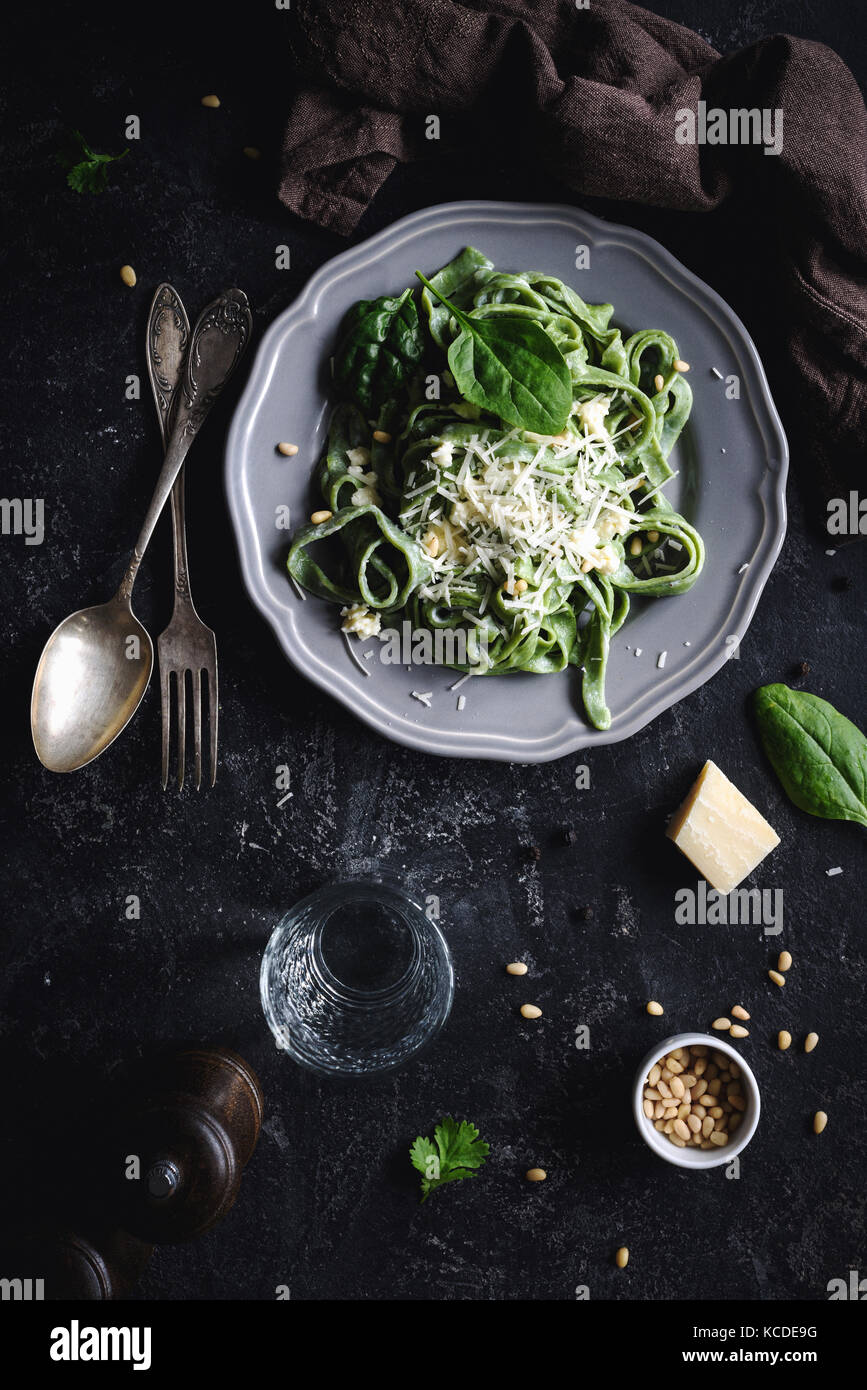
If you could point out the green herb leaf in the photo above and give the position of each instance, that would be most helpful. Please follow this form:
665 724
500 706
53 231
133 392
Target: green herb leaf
511 367
819 756
88 171
457 1151
380 347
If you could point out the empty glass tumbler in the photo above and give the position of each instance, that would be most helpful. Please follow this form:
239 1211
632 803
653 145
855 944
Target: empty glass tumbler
356 978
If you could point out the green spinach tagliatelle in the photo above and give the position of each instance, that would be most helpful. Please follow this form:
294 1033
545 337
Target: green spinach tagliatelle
495 465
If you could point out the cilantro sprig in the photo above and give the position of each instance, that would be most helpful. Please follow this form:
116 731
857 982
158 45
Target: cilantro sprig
87 170
455 1151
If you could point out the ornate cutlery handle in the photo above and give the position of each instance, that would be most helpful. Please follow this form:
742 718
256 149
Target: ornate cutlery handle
221 334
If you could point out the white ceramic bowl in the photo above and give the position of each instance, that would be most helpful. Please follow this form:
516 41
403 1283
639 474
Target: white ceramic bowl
695 1157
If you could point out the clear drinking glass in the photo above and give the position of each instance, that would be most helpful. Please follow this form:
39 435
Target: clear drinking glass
356 979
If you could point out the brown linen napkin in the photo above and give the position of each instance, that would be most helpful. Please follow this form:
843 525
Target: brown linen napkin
597 91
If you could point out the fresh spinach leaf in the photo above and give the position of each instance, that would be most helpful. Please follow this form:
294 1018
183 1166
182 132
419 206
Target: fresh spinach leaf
380 346
818 754
510 367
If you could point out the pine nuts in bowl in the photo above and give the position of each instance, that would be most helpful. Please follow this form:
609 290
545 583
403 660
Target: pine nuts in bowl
672 1086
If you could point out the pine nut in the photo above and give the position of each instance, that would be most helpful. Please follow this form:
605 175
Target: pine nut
699 1088
658 1125
675 1139
734 1122
718 1138
716 1112
738 1032
677 1087
722 1025
648 1109
680 1128
653 537
531 1011
700 1067
382 436
674 1064
650 1093
738 1102
655 1074
699 1050
666 1128
667 1073
734 1069
683 1111
536 1175
785 961
211 101
517 967
714 1086
740 1012
319 517
521 586
663 1088
820 1119
670 1113
688 1080
694 1123
720 1058
635 546
784 1040
699 1110
128 275
621 1259
679 365
810 1041
654 1008
432 546
658 1110
777 978
707 1126
658 382
288 450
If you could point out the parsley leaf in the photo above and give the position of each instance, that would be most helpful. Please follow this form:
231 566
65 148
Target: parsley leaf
457 1150
88 171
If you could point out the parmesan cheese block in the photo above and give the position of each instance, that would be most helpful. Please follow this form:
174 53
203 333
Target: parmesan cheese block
723 835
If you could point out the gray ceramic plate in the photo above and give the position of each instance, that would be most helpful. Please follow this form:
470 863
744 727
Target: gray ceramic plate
731 463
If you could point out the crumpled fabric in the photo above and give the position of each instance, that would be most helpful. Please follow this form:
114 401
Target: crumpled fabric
596 91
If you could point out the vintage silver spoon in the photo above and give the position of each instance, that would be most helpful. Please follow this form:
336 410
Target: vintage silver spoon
96 665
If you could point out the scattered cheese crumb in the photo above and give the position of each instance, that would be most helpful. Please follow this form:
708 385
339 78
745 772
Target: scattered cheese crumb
743 568
424 697
462 700
687 644
722 451
362 668
832 872
830 552
637 652
717 374
660 660
358 618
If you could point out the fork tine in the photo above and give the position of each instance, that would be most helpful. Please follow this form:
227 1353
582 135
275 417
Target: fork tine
181 678
165 698
213 711
197 724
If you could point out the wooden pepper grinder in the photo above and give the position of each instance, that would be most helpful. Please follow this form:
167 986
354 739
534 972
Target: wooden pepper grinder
178 1150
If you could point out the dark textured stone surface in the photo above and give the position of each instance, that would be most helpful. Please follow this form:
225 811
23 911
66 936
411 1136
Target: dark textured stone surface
329 1202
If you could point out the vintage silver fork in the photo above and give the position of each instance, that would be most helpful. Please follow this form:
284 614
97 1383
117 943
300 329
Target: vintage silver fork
187 643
